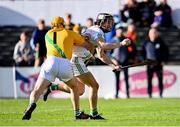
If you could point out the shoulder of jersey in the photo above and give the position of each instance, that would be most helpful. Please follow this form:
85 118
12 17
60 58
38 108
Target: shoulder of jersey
95 28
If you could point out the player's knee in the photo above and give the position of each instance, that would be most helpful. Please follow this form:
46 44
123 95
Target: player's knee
73 87
72 83
81 92
95 86
36 89
37 92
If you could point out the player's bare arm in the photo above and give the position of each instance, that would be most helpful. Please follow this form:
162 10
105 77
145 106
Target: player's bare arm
104 58
109 46
86 44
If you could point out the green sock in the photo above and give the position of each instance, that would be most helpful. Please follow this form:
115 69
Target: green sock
77 112
94 112
53 87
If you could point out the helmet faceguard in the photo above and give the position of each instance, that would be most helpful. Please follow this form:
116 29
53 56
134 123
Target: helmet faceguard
105 22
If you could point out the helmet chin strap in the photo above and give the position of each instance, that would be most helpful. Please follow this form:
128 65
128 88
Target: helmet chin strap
104 30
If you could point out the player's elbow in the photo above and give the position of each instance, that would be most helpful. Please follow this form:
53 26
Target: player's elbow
103 46
102 59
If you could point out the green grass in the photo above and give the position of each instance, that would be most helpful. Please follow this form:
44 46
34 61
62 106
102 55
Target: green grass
121 112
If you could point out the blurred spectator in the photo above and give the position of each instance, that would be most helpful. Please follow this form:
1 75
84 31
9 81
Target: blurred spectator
157 18
155 49
68 23
23 54
123 56
146 8
162 14
132 34
89 23
77 28
38 43
130 13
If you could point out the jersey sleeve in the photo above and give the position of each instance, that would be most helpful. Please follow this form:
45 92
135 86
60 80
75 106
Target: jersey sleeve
78 39
95 34
98 36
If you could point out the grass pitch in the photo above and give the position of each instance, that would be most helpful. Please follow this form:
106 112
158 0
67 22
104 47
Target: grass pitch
119 112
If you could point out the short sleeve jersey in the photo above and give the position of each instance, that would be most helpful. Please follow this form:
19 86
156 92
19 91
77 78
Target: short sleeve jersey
93 33
65 39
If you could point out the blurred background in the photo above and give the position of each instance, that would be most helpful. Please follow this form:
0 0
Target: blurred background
27 21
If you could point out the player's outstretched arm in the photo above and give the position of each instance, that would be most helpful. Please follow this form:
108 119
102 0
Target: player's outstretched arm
109 46
86 45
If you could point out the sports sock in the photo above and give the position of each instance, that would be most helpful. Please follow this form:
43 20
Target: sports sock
94 112
77 112
53 87
31 104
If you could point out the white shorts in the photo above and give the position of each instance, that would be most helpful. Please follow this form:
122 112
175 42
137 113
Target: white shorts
78 65
55 67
